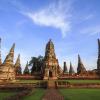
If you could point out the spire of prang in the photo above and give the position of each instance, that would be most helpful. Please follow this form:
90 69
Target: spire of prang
79 59
80 67
98 48
50 50
65 70
26 70
98 61
71 70
17 64
27 64
10 56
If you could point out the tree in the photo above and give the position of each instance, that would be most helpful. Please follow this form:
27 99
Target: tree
36 63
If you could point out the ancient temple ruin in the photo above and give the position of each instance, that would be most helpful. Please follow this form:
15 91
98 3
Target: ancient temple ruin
50 68
51 65
18 66
71 70
8 68
80 69
7 71
65 70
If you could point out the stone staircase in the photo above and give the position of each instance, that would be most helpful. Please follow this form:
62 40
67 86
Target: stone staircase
51 84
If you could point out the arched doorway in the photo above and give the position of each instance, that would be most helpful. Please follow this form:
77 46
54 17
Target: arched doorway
50 73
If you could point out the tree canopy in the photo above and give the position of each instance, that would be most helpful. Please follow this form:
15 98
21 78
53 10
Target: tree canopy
36 63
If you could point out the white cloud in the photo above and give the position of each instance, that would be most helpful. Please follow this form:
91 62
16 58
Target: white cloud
91 30
55 15
89 16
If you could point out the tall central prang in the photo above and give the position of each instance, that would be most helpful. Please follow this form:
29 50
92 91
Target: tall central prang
51 65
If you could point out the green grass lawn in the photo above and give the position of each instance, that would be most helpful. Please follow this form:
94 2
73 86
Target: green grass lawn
80 94
36 94
81 81
5 94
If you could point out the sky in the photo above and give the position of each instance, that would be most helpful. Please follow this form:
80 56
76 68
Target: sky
73 26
